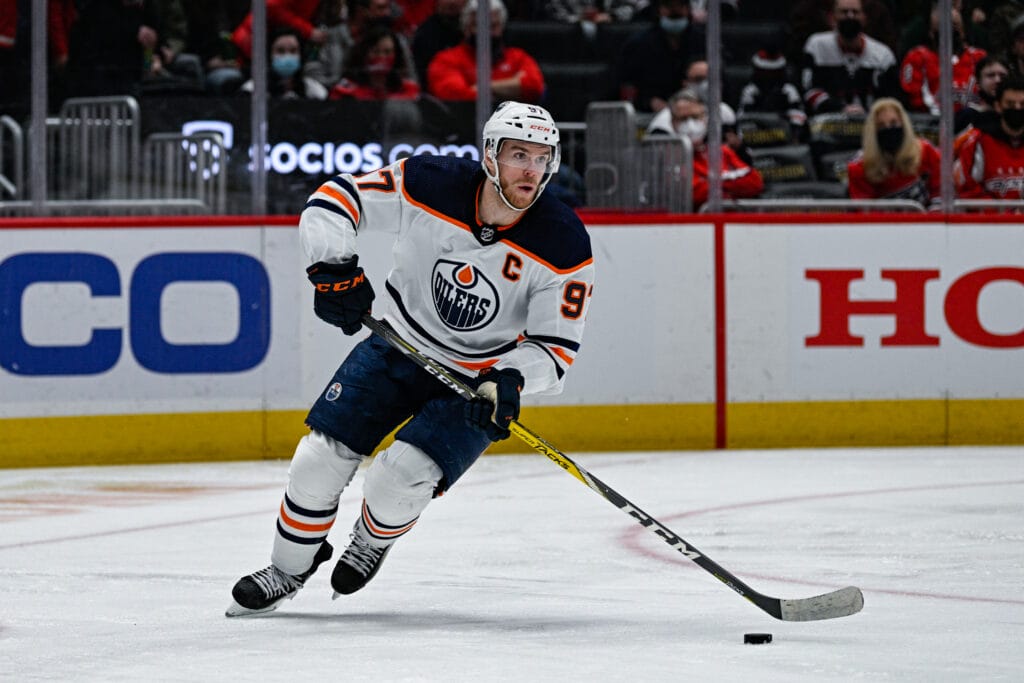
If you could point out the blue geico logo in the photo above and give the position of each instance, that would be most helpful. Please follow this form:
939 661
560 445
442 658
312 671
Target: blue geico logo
464 298
152 351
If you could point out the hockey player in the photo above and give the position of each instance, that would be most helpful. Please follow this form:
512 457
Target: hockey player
491 277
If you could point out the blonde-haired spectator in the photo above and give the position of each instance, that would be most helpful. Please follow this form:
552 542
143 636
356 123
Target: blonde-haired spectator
894 163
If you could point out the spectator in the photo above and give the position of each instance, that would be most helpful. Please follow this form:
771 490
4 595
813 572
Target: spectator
999 26
375 69
689 119
990 163
697 78
325 61
440 30
989 72
514 74
653 62
15 55
109 45
919 72
295 14
845 70
807 17
769 90
594 11
1015 53
894 163
364 15
285 80
207 25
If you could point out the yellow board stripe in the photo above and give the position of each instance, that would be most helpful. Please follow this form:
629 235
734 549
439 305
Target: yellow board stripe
201 437
875 423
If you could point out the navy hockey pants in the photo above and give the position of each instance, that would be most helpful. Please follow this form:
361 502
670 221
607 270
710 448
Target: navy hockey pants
376 388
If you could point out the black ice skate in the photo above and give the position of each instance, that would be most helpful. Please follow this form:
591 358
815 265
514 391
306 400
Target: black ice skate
357 565
264 590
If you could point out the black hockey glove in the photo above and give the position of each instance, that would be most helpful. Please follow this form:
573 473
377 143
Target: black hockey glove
493 412
343 294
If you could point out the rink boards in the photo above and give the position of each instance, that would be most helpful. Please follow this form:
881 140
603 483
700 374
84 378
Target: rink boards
128 340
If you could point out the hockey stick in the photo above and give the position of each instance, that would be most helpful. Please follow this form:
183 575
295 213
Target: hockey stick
838 603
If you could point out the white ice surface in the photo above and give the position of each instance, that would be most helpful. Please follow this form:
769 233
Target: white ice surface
521 573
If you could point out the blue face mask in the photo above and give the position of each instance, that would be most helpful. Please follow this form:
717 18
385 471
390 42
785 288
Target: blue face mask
673 26
285 65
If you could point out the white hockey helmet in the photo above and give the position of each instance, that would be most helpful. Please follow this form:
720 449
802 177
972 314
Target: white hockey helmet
526 123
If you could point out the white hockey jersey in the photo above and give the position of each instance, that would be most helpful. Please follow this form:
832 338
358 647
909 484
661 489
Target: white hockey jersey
467 294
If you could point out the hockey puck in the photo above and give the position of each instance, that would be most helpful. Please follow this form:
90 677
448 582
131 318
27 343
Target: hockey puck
757 638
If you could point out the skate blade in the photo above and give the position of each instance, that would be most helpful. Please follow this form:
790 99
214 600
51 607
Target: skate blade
236 610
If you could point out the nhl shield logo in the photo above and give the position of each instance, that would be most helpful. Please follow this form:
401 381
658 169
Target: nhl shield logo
465 300
333 392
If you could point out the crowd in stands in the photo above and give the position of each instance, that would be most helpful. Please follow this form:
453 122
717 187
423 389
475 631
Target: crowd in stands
868 68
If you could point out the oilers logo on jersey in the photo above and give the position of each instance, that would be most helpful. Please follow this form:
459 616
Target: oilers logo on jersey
464 299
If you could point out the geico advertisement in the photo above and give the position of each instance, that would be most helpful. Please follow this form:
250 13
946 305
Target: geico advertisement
842 312
146 320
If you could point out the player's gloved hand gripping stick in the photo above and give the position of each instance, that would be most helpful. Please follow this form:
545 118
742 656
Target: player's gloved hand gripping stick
342 294
838 603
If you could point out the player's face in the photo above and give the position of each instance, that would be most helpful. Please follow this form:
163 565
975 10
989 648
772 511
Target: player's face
522 166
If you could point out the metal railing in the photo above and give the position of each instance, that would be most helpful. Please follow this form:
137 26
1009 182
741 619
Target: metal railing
97 166
12 180
93 148
190 168
818 205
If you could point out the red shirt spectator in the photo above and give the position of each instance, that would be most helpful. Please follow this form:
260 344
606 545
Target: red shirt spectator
739 180
375 69
990 164
514 74
919 72
296 14
894 163
452 73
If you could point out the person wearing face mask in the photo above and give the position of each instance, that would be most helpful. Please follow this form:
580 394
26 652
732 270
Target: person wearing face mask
919 71
515 75
375 69
989 72
845 70
894 163
990 162
285 80
653 62
686 116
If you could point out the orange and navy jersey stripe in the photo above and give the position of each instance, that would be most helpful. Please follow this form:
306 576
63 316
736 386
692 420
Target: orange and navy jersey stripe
384 532
339 197
472 295
303 525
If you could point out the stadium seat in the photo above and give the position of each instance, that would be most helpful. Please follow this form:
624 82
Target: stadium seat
804 190
569 88
785 164
550 41
741 40
832 165
611 36
764 129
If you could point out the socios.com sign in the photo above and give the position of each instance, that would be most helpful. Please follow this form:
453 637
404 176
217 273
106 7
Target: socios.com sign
331 157
144 331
